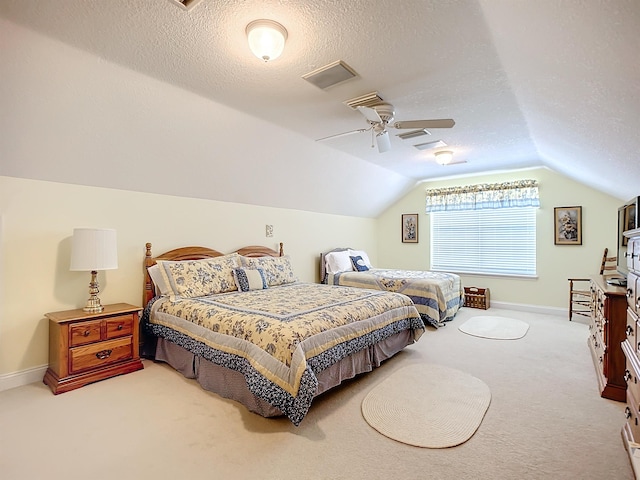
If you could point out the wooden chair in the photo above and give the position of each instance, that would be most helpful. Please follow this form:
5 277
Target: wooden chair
579 292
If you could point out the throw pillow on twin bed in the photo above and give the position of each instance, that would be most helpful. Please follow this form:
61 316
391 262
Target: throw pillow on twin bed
249 279
359 264
198 278
277 270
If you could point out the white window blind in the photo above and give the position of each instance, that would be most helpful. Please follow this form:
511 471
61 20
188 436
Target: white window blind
490 241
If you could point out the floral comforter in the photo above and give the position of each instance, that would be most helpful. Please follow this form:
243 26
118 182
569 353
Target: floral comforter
437 296
280 337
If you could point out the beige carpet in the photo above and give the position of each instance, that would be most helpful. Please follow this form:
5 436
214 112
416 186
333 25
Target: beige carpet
427 405
546 421
498 328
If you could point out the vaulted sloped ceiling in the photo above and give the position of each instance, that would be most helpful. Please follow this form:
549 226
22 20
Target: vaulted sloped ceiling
546 83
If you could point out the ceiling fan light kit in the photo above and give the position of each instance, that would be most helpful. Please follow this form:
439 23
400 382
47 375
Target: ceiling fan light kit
380 116
266 39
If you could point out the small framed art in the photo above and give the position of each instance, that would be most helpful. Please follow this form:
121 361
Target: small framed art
567 225
410 228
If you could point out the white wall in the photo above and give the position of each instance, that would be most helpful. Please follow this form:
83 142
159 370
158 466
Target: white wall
38 220
69 116
555 263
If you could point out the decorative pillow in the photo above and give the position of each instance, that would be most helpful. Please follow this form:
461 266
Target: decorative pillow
358 264
158 280
337 262
198 278
247 279
277 270
363 254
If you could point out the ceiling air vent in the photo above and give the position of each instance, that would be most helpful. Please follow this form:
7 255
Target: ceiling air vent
430 145
330 75
413 134
366 100
185 4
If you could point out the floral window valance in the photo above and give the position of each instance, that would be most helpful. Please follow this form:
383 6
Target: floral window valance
522 193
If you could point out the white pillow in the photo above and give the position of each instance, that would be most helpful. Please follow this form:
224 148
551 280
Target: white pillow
158 280
337 262
361 253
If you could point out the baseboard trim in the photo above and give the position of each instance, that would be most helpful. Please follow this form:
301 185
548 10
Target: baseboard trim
24 377
522 307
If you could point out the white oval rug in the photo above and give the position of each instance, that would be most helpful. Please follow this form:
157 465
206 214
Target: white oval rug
499 328
427 405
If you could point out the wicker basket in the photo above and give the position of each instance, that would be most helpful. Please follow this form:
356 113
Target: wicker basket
476 297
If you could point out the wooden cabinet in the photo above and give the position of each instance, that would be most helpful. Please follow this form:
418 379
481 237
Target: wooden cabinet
631 349
607 330
88 347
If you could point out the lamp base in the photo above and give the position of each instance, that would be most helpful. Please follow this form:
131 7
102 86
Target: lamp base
93 302
93 306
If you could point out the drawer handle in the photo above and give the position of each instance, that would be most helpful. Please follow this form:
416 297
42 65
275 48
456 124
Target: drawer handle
629 330
120 327
102 354
629 293
627 412
87 333
627 375
601 360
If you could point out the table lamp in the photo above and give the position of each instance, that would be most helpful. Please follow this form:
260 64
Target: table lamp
93 249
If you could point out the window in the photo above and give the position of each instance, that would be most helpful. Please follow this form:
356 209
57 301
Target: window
489 241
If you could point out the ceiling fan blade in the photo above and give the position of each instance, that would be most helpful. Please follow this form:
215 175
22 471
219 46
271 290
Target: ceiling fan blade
417 124
370 114
360 130
382 139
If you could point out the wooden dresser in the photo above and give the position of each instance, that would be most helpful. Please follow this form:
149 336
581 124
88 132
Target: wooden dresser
606 333
87 347
631 348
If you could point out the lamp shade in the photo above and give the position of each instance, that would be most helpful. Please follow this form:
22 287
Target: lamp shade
94 249
266 39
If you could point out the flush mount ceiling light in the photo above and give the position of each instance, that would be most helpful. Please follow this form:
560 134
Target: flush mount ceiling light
444 157
266 39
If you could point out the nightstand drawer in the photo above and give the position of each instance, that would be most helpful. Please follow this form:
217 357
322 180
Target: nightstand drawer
84 332
119 326
100 354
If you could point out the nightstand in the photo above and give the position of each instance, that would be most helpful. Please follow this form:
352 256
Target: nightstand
88 347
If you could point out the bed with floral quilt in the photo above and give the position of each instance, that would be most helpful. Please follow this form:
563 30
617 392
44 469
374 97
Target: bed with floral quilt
437 295
245 328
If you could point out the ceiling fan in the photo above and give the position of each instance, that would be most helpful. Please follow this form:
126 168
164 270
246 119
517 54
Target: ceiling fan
381 116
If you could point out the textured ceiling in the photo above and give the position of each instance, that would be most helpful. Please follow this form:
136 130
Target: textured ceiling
554 83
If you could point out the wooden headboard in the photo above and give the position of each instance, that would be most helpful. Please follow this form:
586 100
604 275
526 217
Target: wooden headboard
196 253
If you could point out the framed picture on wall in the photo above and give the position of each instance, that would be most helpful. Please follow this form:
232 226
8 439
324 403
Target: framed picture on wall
410 228
567 225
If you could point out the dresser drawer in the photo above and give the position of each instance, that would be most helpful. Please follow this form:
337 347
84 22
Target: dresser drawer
633 386
632 328
100 354
632 415
85 332
120 326
632 291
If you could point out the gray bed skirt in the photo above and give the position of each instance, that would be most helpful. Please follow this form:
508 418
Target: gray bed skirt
231 384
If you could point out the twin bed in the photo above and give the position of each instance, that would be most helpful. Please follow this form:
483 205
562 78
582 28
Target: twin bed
437 295
244 327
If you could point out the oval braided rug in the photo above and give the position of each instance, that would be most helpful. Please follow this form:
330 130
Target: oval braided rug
427 405
498 328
